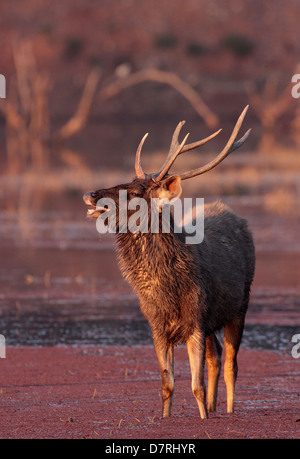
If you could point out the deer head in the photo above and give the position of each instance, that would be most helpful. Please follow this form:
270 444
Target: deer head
161 184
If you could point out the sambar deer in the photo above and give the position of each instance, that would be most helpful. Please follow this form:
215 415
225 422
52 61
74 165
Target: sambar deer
188 292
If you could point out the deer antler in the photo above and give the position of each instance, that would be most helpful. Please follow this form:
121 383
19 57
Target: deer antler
177 149
138 166
229 148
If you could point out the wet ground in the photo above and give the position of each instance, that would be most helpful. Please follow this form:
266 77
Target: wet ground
60 284
63 301
92 305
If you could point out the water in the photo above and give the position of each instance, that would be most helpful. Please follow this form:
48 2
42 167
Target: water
54 322
68 290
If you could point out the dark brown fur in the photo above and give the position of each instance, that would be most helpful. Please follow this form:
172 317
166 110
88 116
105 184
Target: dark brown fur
188 292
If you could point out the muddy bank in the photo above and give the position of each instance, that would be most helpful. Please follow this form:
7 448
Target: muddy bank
53 296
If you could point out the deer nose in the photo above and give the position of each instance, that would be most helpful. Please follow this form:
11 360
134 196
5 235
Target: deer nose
87 197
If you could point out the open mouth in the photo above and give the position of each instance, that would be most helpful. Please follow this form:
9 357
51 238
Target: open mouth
96 211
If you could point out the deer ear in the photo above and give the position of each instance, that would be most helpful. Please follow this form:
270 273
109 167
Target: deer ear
170 188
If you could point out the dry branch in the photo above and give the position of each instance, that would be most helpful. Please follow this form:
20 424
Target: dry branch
111 90
79 119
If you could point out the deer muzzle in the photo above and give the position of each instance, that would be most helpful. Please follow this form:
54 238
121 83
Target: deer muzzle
90 199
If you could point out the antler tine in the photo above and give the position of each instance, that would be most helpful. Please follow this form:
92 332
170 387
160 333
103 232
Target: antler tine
174 151
194 145
229 147
138 166
177 149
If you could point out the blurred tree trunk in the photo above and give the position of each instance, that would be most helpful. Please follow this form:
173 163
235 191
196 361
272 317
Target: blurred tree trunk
269 107
27 114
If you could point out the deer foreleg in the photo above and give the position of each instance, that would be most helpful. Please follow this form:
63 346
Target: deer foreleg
196 350
165 356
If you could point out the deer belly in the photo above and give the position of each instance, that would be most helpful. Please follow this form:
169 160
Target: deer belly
178 332
168 320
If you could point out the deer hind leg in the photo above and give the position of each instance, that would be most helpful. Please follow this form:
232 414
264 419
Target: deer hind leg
165 356
213 361
232 337
196 350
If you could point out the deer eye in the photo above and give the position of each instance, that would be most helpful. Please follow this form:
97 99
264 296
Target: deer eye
135 194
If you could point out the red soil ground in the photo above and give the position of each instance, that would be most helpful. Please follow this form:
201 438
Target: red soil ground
114 393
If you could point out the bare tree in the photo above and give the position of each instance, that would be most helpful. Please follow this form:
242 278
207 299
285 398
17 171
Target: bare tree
269 106
26 110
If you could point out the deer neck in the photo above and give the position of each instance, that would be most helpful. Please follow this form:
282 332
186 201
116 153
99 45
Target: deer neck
152 261
145 248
